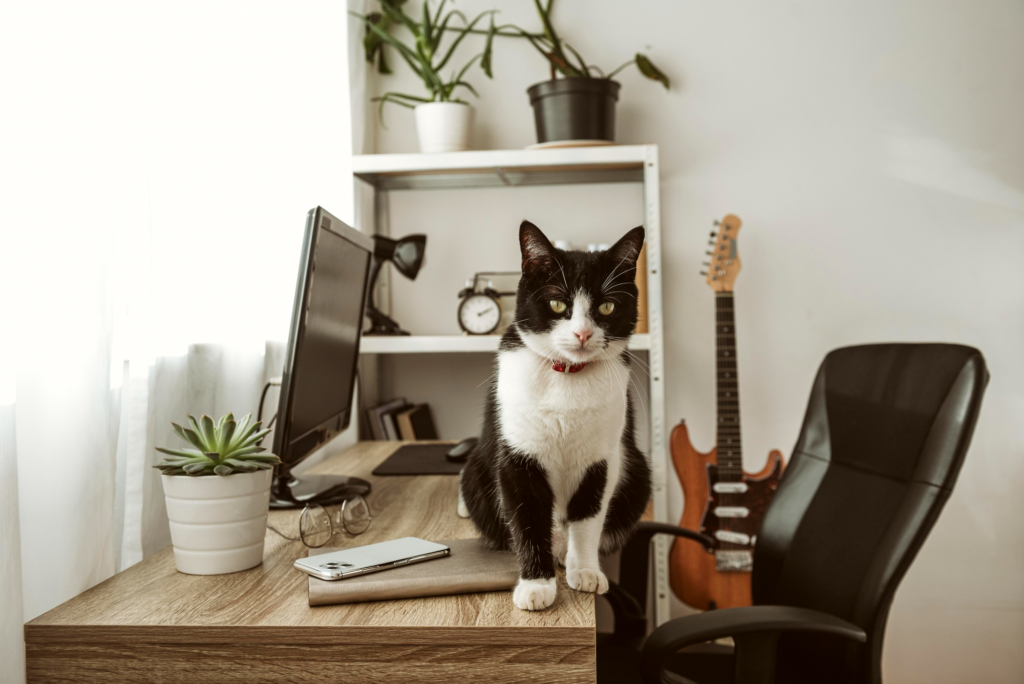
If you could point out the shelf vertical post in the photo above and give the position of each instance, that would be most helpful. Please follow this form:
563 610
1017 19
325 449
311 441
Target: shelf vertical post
659 453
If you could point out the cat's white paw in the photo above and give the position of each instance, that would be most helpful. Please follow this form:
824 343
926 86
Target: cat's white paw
462 510
587 579
535 594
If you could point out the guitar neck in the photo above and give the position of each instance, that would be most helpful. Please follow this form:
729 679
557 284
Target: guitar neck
729 440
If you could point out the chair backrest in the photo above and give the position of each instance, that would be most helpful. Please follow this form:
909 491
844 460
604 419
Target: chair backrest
885 434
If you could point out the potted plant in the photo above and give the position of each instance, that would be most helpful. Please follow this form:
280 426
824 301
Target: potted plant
217 492
581 104
443 120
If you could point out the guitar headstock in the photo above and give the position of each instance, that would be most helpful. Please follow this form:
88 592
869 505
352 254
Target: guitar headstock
724 263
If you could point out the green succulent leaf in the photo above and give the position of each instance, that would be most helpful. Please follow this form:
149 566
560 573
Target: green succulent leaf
244 423
222 470
180 431
244 466
252 439
194 468
194 439
652 72
226 432
247 451
264 458
188 453
209 432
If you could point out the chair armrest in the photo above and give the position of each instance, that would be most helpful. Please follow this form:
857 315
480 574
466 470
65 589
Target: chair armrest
756 630
634 563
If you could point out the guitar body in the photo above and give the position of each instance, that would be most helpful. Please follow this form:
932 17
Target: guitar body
694 572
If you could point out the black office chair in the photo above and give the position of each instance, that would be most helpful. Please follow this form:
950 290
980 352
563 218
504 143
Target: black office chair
885 434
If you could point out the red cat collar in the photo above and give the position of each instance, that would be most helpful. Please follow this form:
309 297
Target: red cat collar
563 367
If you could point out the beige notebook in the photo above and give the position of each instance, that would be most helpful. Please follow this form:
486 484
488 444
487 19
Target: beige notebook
469 568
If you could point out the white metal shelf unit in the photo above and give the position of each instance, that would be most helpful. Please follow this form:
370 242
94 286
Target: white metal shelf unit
512 168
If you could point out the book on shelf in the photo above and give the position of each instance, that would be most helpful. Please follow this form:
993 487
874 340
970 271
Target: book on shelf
416 423
376 414
642 320
399 420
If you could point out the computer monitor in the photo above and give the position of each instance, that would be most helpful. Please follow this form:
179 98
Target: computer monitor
320 363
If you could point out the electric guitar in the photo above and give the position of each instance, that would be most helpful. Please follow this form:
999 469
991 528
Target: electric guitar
721 500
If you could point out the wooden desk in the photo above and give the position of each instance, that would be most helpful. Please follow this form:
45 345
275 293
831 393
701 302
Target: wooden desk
151 623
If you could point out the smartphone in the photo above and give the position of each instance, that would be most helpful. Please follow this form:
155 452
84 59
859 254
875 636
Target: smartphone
372 558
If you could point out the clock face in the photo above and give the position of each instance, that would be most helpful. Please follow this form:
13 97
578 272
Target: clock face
479 314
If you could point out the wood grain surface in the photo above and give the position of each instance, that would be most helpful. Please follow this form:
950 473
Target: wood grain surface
151 623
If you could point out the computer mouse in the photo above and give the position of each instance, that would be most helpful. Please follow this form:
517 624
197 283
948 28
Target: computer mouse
460 452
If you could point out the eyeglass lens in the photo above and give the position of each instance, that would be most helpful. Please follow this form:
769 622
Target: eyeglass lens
355 515
316 528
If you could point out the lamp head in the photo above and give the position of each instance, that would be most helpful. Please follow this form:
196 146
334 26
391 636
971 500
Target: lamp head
405 253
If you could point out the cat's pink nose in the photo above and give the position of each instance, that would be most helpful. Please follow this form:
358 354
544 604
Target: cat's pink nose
583 336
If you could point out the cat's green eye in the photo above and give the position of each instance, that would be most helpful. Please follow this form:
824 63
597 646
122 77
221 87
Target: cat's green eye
606 308
557 306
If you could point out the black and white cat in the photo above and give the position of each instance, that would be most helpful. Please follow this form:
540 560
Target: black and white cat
557 474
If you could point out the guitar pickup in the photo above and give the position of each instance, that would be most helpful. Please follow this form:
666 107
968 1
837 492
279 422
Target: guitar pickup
732 537
730 488
734 561
732 511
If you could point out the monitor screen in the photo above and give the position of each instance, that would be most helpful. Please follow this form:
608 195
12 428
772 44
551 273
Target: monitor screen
323 346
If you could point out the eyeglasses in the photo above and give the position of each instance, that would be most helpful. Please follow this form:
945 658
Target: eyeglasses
317 525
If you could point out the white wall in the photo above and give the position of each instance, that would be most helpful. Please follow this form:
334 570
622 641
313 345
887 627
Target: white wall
875 151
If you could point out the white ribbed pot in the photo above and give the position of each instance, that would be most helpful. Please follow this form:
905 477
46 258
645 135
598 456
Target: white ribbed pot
218 524
443 126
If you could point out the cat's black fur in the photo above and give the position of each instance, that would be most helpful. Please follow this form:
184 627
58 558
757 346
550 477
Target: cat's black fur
507 492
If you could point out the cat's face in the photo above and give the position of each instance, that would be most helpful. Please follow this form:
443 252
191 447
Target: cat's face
576 306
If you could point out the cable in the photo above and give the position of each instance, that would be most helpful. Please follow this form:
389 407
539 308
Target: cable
273 382
263 396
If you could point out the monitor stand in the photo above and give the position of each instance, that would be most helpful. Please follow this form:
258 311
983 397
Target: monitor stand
294 491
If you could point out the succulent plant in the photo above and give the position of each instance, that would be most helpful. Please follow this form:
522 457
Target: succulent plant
222 448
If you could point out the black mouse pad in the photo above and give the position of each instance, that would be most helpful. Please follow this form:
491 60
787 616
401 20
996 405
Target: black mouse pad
420 459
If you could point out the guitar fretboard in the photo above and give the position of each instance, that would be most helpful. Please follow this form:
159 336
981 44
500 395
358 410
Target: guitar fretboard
729 441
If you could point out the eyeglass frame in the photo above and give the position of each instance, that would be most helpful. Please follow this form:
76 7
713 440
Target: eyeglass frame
330 522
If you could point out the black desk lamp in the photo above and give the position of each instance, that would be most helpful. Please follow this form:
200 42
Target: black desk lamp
407 256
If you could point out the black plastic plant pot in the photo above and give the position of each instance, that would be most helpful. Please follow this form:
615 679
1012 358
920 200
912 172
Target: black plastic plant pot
574 109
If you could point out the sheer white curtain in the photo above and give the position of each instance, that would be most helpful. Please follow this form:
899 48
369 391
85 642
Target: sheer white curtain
157 161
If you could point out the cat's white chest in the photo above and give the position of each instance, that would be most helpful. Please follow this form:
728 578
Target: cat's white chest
565 420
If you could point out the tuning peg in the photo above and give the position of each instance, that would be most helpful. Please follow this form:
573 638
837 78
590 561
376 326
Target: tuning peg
706 263
709 253
712 233
703 273
717 222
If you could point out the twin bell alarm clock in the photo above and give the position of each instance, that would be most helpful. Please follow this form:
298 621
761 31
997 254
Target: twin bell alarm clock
480 309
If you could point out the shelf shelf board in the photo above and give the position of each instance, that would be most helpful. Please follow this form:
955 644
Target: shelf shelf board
503 168
453 344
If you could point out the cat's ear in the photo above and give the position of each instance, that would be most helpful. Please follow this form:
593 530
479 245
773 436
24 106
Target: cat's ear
627 250
538 252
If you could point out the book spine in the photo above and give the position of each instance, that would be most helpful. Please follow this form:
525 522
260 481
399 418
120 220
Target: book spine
642 325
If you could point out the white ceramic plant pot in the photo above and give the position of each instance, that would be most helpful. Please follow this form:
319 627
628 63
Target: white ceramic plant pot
443 126
218 524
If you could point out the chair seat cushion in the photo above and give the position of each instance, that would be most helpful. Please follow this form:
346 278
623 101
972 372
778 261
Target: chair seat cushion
701 664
